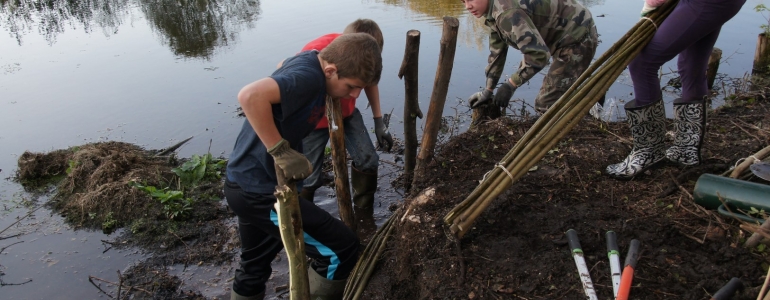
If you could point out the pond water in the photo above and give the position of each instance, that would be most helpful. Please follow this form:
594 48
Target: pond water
156 72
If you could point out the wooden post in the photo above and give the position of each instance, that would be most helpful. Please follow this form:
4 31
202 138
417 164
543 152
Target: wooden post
490 112
408 73
438 97
339 161
290 226
761 55
713 66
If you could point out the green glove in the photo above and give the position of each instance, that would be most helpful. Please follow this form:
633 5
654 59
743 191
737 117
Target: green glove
504 94
384 140
480 99
294 165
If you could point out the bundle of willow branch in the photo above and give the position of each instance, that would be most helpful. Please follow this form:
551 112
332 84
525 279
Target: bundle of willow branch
359 277
557 121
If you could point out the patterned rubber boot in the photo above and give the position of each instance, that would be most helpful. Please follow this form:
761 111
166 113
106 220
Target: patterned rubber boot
689 130
648 128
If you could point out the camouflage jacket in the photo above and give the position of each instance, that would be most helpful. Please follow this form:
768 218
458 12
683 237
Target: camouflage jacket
535 27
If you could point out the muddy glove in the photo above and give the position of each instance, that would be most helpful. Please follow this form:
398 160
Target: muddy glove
480 99
504 94
384 140
294 165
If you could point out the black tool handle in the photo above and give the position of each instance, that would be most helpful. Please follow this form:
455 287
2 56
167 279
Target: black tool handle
633 254
727 291
572 238
612 241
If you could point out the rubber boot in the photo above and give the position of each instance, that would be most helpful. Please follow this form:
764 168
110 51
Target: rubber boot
322 288
307 193
364 186
689 130
648 128
236 296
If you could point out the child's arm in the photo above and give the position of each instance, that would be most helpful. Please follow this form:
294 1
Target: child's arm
373 94
384 139
256 99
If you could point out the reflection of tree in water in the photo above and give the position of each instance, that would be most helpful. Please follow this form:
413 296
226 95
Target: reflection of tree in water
194 28
471 32
51 17
589 3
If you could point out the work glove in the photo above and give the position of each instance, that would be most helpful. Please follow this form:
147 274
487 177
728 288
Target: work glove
651 5
504 94
480 99
294 165
384 140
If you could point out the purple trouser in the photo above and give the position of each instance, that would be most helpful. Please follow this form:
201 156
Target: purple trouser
691 31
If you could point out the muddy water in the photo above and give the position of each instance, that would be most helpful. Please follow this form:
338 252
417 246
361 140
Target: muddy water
156 72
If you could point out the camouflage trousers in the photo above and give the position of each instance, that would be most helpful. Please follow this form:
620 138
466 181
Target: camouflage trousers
567 64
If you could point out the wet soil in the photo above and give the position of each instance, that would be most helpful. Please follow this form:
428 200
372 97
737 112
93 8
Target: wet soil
517 248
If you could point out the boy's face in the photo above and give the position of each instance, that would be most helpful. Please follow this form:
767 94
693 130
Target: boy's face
338 87
476 7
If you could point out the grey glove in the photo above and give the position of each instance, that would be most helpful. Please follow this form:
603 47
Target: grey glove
294 165
384 140
480 99
504 94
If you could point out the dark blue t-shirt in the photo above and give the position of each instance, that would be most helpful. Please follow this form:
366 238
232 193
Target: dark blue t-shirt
303 92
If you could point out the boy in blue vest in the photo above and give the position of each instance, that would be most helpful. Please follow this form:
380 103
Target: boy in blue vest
280 111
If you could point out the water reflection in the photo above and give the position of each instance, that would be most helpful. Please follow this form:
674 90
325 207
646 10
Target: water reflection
52 17
472 31
195 28
191 28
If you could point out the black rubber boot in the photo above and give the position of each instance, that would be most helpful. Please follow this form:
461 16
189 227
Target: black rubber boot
364 186
322 288
236 296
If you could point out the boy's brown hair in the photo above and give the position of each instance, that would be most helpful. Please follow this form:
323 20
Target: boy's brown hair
356 55
366 26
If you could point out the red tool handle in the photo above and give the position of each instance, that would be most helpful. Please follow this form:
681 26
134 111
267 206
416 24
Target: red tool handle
628 271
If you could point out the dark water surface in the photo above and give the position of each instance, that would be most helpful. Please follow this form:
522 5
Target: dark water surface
156 72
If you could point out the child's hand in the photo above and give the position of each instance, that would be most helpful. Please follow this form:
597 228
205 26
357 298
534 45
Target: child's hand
294 165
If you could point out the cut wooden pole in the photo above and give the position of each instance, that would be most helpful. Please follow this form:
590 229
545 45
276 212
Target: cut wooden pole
713 66
408 72
438 97
339 162
761 55
489 112
290 226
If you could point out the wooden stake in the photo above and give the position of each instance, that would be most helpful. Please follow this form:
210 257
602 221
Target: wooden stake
290 226
339 161
408 73
761 55
713 66
490 112
438 97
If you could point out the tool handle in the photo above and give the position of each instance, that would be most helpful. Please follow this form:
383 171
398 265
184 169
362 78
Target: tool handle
633 254
612 242
574 242
625 283
727 291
